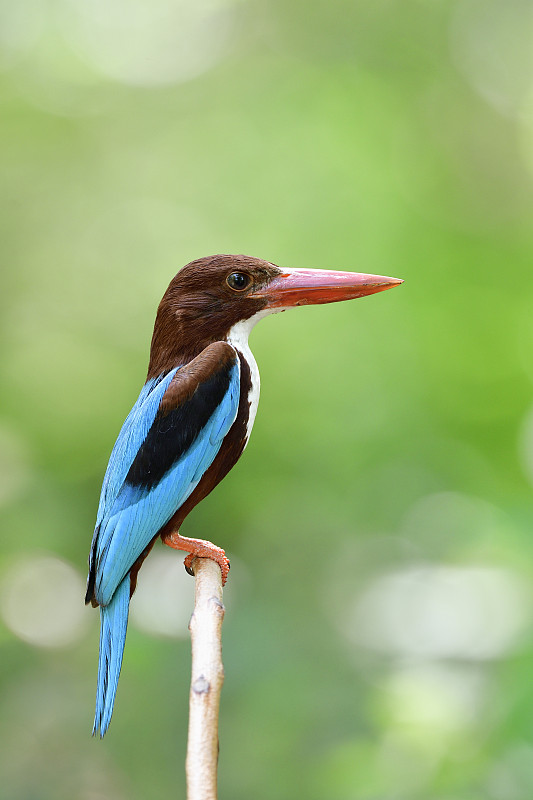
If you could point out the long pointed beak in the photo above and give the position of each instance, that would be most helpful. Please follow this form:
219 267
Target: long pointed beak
301 287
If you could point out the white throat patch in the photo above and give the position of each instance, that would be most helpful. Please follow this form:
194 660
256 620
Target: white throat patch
238 338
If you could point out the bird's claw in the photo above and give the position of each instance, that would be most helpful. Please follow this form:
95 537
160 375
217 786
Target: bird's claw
215 554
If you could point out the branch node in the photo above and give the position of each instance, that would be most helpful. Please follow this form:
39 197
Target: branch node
201 685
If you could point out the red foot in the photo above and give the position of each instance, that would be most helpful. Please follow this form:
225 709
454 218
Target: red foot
198 548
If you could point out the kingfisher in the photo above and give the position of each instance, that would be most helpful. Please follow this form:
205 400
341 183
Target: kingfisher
189 426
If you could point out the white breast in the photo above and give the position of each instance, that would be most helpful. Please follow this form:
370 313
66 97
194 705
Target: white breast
238 338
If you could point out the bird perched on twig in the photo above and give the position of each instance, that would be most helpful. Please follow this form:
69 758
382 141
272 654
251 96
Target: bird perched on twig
189 425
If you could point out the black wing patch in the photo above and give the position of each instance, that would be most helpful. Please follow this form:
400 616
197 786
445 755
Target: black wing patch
177 427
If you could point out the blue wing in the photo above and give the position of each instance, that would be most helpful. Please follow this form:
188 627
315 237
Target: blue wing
131 436
166 444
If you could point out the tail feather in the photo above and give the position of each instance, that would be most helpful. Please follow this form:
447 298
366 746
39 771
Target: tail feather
113 625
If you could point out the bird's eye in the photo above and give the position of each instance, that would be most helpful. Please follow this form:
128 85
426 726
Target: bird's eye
238 281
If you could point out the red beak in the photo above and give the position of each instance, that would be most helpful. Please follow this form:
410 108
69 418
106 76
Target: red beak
303 287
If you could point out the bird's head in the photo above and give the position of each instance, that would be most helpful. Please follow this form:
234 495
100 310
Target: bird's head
209 297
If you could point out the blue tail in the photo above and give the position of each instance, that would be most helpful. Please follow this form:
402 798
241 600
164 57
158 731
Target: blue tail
113 625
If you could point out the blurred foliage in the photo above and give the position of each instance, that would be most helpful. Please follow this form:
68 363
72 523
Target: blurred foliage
392 457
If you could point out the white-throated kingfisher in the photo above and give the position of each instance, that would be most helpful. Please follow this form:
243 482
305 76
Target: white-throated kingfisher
189 425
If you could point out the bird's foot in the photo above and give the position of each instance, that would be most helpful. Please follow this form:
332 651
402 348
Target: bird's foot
198 548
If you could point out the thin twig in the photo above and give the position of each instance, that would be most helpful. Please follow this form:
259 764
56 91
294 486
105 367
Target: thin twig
206 681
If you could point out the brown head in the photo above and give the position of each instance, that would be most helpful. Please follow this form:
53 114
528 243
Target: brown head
208 297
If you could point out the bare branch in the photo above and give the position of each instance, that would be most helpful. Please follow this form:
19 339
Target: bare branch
206 681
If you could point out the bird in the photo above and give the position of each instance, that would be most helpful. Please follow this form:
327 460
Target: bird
189 426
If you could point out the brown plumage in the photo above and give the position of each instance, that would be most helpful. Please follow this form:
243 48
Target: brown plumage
199 308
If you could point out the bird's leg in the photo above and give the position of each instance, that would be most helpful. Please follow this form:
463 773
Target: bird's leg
198 548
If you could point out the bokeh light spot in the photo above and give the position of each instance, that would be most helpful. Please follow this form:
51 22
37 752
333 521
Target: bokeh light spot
432 700
492 46
20 25
163 601
42 602
442 612
149 44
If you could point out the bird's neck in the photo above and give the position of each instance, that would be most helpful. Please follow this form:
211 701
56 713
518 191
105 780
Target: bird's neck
176 340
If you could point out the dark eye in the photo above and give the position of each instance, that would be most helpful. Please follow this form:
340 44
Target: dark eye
238 281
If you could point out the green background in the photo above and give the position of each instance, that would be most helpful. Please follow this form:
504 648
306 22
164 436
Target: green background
378 643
